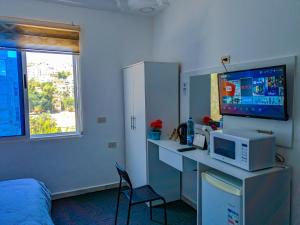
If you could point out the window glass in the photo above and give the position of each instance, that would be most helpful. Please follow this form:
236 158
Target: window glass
51 93
12 121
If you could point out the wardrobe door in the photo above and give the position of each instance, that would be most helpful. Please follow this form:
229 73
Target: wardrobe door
138 172
128 117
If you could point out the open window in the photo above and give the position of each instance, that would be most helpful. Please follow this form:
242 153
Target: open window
39 79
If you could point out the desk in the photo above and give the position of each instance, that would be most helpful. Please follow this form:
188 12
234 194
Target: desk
266 193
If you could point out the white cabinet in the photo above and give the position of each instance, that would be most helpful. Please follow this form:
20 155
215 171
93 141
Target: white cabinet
151 91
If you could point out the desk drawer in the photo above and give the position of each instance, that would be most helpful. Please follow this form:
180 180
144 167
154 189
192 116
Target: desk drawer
171 158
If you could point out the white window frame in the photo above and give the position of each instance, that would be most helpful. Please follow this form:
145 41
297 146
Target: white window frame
77 96
78 106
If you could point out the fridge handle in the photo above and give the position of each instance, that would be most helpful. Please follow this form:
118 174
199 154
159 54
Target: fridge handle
221 185
134 123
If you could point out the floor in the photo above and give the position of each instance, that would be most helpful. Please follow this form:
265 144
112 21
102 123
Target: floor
99 209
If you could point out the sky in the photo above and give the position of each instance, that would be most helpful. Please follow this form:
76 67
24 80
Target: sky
50 58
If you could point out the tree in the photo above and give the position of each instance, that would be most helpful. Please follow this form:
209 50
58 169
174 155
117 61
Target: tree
41 96
48 92
68 104
43 124
63 74
33 95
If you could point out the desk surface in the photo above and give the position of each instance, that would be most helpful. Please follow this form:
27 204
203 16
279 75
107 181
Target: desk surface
202 157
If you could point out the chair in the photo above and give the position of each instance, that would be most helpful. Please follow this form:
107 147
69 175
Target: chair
137 195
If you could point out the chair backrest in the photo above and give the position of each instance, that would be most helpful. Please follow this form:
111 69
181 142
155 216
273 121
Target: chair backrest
123 175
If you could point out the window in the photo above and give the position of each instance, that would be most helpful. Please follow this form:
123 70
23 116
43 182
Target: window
51 93
51 89
39 80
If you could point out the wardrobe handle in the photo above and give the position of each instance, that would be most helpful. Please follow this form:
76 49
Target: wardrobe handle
131 122
134 122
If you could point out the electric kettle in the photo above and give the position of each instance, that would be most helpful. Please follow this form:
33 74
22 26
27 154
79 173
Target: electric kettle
182 133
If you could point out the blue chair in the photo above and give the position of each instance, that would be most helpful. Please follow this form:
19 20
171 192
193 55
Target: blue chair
137 195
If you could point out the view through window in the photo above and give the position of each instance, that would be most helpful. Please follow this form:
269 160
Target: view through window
51 93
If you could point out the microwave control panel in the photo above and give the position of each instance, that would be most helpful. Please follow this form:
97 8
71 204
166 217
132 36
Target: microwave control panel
244 153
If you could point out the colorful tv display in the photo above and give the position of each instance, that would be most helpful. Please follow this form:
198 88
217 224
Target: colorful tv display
254 93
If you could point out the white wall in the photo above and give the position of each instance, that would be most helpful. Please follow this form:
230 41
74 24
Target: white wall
198 32
109 41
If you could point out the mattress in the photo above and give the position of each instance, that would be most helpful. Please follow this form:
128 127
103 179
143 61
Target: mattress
24 202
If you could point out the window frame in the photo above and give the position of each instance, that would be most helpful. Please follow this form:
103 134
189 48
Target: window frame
77 97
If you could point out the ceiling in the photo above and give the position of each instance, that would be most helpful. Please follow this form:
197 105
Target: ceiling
110 5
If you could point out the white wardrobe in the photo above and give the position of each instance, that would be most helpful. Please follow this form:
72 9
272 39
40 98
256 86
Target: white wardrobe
151 91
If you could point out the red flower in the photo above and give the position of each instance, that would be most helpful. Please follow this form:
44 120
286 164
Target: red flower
206 120
157 124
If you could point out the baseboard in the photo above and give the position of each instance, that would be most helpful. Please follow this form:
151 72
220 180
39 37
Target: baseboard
189 201
85 190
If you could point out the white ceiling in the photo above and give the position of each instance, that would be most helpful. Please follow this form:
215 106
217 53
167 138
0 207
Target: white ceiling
110 5
93 4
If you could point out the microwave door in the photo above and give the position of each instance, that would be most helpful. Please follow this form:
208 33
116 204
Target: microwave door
225 148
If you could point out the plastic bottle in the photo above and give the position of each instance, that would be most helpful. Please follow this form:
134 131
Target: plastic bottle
221 123
190 132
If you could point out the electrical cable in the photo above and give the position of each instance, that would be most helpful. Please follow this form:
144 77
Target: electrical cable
279 158
224 66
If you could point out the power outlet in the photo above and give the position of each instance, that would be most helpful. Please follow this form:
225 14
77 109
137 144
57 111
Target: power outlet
225 59
112 145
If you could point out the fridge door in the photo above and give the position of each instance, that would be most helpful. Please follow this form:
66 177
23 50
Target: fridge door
221 200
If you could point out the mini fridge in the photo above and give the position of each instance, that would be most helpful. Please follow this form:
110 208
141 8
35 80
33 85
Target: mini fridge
221 199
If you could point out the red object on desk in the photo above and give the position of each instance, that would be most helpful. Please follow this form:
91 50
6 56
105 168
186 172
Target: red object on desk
206 120
156 125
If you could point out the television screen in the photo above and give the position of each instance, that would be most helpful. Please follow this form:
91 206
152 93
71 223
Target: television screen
254 93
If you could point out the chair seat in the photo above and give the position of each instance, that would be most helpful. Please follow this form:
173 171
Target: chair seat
142 194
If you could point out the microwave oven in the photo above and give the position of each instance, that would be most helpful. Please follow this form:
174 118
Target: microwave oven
246 149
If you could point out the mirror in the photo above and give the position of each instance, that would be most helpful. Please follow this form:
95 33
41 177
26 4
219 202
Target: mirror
204 97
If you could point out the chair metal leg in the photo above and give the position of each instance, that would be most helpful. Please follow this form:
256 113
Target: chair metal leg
128 216
118 202
150 210
129 207
165 211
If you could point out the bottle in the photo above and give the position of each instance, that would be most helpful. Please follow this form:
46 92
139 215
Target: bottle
190 132
221 123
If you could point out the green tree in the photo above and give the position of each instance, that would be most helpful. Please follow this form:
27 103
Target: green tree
41 96
43 124
33 95
68 104
63 74
48 92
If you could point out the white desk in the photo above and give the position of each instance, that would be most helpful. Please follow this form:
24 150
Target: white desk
266 193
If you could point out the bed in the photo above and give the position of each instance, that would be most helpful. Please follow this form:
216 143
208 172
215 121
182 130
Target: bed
24 202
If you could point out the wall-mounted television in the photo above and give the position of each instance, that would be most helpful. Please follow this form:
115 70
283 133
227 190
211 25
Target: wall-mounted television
257 93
